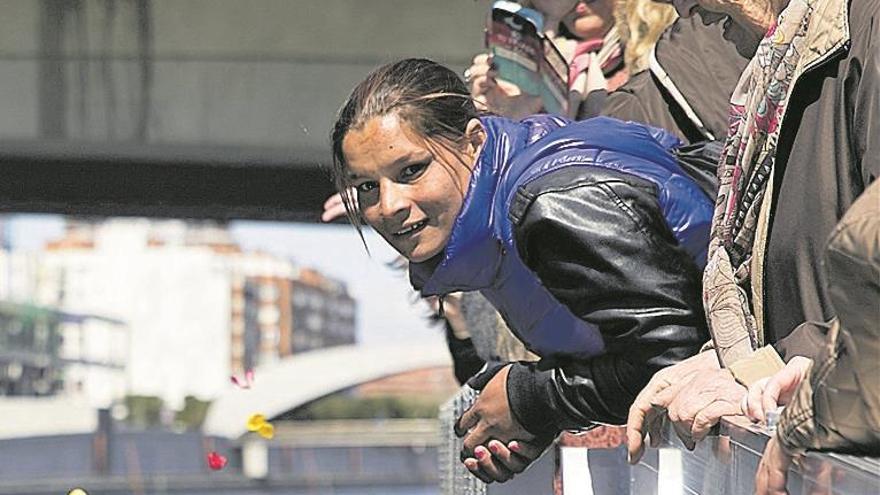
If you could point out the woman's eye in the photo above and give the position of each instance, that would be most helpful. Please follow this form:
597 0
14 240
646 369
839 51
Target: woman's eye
413 170
366 187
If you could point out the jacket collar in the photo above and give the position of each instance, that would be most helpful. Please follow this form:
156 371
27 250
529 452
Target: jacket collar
471 258
828 31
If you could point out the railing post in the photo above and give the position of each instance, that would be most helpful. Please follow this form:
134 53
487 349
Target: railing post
255 458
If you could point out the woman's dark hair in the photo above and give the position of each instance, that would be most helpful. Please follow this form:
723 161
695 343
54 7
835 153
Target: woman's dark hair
429 97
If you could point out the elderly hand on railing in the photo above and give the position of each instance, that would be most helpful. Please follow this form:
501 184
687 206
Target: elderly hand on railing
649 409
696 404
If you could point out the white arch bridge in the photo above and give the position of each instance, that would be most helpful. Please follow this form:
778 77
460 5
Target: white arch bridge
302 378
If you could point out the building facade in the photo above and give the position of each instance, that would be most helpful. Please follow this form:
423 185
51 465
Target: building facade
194 306
47 352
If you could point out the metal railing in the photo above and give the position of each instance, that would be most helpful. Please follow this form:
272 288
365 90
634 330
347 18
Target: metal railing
722 464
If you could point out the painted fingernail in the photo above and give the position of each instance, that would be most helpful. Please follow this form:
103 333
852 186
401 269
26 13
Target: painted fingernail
494 447
514 446
480 452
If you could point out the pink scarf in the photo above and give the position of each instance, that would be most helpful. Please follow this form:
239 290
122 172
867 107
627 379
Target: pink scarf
607 49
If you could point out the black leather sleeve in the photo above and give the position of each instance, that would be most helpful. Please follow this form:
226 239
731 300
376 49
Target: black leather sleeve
602 247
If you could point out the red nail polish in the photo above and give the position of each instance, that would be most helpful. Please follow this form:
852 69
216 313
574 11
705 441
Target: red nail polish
494 448
480 453
514 446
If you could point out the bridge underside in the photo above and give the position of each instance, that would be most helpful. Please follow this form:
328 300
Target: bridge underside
220 182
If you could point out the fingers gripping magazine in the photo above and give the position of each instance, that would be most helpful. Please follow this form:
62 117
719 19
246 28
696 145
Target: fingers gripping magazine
523 56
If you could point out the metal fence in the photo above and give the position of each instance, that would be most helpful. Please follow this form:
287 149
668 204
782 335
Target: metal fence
722 464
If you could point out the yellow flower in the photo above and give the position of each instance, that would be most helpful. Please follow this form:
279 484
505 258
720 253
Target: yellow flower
266 431
255 422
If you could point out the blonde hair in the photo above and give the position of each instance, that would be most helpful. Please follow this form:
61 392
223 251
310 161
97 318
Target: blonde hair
640 24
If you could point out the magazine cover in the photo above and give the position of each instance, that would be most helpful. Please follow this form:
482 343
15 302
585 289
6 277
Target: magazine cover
524 56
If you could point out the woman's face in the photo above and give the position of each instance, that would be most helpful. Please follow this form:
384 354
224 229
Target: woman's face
409 189
590 19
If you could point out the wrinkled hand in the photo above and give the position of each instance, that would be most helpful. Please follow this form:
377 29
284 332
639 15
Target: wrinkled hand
769 393
645 419
497 95
695 405
773 470
490 419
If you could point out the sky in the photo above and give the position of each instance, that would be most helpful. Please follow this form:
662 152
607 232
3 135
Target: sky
387 311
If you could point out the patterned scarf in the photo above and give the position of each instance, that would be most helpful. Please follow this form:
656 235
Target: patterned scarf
757 108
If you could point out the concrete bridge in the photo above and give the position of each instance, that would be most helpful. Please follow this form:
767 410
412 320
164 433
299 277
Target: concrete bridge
137 113
302 378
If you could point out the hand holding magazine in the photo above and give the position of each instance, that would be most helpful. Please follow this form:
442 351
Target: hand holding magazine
522 55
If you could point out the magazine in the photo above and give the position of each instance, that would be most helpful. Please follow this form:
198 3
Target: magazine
524 56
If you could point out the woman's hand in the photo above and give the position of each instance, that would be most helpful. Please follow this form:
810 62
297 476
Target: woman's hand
769 393
497 95
505 461
334 207
490 419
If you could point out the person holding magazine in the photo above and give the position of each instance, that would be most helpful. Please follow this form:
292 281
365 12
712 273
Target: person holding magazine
587 37
588 237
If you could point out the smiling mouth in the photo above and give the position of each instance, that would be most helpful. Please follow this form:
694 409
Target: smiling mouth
412 228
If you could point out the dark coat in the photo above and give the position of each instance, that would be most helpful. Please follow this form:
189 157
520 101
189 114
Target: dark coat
693 71
828 153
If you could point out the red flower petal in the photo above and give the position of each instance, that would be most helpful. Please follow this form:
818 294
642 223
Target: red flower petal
216 461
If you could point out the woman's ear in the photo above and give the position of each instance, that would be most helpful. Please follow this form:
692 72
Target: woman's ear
475 135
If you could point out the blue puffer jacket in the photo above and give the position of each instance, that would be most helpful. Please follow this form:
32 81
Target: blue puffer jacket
482 253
